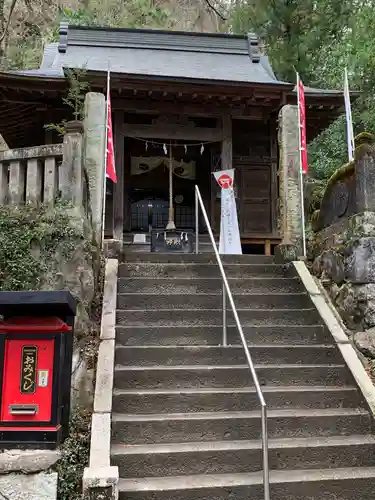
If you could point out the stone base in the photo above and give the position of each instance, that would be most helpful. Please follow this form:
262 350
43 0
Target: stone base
27 461
41 486
112 248
100 483
172 241
286 252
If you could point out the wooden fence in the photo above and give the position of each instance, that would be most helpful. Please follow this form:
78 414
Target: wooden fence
45 174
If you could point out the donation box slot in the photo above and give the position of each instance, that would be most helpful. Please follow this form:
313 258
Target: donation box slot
27 380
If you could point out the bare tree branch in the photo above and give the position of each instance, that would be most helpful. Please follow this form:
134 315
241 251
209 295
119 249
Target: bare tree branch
8 21
212 7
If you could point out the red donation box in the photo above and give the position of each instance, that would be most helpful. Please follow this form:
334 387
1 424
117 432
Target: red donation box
36 346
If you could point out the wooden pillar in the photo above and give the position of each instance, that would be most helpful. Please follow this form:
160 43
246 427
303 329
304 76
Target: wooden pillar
226 163
275 222
127 178
118 188
226 145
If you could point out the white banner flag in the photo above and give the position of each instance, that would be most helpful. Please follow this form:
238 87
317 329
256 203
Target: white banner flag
349 121
230 242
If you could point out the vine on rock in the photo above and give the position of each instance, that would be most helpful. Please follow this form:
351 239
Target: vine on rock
29 239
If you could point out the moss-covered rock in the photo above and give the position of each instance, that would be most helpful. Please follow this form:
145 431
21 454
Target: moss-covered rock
340 174
49 249
365 146
364 138
313 191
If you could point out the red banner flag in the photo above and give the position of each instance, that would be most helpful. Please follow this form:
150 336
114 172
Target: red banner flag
302 124
110 168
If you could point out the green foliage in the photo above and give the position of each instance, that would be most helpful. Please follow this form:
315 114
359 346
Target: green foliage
24 53
296 32
329 150
319 38
75 456
314 194
36 24
78 87
29 238
132 14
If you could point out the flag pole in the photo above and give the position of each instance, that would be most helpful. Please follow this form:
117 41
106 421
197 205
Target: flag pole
105 160
300 169
349 119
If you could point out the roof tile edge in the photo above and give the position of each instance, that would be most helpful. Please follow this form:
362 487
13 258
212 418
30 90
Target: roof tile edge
63 40
254 50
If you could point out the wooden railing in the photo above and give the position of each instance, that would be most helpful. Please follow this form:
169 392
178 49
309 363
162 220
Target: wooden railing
30 175
45 174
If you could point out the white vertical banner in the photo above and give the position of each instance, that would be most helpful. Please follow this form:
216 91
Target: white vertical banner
349 120
230 241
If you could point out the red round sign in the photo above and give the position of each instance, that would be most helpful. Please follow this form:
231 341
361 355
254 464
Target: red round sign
225 181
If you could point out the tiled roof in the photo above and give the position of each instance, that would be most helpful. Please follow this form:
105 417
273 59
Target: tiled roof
196 56
215 57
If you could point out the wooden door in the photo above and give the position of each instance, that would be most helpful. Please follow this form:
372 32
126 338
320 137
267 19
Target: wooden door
255 200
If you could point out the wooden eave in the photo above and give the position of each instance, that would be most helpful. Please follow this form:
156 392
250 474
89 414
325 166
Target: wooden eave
32 82
24 99
322 108
200 98
187 86
26 104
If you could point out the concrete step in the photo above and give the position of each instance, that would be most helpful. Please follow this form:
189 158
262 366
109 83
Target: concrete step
355 483
148 401
229 426
177 377
212 335
231 355
138 248
185 286
195 270
213 317
212 301
173 258
231 457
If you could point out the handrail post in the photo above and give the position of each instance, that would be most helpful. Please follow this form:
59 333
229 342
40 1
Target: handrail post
266 471
224 316
196 222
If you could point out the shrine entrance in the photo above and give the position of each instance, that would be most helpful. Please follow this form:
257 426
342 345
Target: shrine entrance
150 146
149 181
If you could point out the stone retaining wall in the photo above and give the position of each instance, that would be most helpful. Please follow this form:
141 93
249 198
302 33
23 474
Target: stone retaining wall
343 247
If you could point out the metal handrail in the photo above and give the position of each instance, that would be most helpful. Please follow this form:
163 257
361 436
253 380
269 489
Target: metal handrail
228 293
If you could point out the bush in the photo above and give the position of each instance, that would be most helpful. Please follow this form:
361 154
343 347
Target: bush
75 456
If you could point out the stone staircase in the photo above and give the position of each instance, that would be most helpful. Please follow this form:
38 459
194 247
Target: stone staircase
186 420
